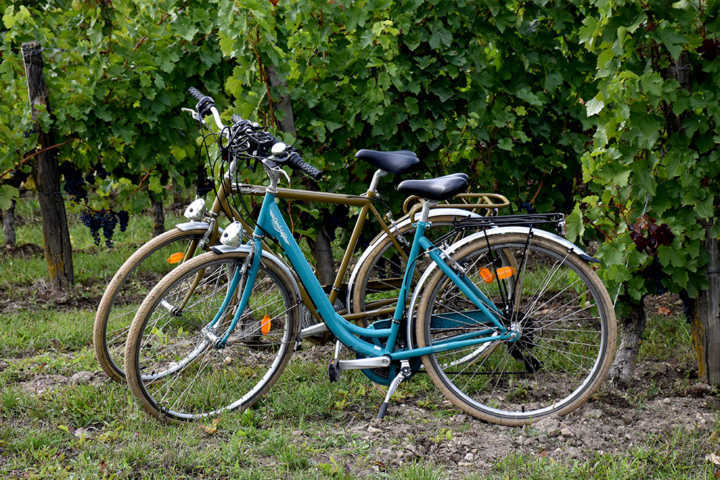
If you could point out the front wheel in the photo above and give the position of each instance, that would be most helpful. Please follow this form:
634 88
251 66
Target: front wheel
551 298
175 368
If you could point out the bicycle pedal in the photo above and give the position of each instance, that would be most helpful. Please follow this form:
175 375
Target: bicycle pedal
334 371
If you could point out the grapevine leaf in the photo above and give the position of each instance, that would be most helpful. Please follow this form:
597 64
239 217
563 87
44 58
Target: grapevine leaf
574 224
505 143
594 106
673 41
7 194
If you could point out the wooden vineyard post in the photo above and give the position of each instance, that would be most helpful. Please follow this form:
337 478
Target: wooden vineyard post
8 225
706 317
56 238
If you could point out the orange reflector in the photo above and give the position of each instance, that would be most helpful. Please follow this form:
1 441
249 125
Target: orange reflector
505 272
265 324
176 257
487 275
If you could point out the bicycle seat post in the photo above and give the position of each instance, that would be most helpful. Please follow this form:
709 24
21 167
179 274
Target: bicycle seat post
425 209
379 173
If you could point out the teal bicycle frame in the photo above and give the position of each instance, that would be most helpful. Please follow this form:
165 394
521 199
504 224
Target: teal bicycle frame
271 223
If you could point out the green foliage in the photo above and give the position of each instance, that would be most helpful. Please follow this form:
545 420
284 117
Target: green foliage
613 101
117 76
655 147
488 88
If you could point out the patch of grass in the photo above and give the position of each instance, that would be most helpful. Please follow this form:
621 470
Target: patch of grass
420 471
86 405
15 403
48 363
678 456
291 456
21 271
41 330
303 391
666 338
37 439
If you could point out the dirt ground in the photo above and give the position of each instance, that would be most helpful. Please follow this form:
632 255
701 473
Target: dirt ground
666 396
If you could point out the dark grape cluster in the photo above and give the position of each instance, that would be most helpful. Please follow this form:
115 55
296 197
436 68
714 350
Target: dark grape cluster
109 220
75 184
648 235
105 220
92 221
123 217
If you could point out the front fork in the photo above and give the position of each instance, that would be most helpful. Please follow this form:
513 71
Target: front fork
243 280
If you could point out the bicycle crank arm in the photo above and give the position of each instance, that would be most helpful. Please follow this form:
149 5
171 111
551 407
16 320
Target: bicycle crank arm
363 363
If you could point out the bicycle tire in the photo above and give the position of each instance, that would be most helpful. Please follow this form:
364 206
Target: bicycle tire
109 345
567 342
176 372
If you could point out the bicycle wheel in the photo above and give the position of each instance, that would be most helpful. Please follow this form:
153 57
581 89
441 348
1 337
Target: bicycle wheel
176 371
564 315
128 287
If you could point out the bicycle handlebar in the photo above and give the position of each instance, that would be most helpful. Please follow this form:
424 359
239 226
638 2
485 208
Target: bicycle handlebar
204 103
263 140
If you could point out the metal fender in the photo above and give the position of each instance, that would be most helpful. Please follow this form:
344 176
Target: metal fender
490 232
435 212
266 256
186 226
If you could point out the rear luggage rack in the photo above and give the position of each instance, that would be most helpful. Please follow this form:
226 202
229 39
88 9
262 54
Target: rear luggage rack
528 220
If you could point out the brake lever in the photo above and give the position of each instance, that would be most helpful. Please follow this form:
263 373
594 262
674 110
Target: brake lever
273 170
195 115
284 173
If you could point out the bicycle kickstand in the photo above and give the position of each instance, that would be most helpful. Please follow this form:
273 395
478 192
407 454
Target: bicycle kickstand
334 367
404 374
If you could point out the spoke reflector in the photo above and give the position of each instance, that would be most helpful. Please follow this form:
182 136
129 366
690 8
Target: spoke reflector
505 272
265 324
176 257
487 275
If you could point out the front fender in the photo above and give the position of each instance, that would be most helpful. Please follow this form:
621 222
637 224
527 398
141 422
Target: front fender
186 226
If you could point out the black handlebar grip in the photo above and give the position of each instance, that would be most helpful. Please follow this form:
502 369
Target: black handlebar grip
196 93
204 102
295 161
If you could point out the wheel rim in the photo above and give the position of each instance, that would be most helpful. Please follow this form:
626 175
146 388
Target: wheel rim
126 298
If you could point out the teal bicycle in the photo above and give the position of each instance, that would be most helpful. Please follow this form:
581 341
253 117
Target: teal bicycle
511 323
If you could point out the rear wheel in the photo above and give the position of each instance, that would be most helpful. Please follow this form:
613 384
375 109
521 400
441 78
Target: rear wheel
556 302
175 369
123 295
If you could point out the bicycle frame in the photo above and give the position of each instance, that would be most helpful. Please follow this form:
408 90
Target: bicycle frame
366 204
271 223
489 201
